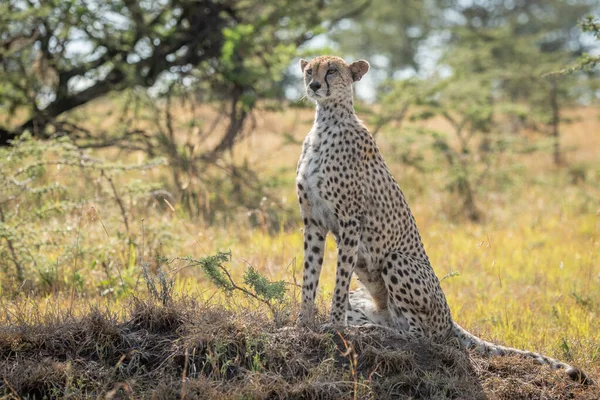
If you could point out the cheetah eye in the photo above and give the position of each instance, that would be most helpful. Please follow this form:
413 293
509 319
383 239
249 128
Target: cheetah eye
309 72
331 71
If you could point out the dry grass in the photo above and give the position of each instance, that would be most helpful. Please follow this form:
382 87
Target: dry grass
197 351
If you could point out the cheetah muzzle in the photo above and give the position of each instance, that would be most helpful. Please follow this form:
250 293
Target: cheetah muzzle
345 187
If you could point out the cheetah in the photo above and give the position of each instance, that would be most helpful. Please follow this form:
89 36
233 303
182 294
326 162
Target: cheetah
345 187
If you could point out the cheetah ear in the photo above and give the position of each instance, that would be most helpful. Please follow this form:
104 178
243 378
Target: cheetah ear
358 69
303 64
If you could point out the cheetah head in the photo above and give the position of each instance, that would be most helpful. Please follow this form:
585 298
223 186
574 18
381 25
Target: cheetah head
328 77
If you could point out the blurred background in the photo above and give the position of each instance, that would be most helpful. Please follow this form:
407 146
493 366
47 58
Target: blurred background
136 132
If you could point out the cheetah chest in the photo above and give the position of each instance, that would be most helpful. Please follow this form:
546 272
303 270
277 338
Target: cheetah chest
309 180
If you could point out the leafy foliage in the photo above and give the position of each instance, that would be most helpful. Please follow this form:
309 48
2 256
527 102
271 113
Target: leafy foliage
591 25
258 287
211 266
263 287
59 55
388 32
496 85
32 196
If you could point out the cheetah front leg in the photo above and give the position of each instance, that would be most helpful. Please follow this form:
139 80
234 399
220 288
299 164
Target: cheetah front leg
347 243
314 248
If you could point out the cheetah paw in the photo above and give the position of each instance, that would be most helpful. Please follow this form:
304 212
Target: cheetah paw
332 327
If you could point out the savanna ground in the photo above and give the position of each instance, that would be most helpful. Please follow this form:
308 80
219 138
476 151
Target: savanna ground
92 229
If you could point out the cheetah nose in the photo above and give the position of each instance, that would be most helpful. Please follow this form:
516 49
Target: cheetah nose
315 86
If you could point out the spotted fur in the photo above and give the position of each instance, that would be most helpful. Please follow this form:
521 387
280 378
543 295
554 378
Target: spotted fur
345 187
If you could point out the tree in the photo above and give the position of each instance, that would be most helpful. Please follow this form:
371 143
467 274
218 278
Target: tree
587 62
125 43
532 39
388 33
57 55
498 84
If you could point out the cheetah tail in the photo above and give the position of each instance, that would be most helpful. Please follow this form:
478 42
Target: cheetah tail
472 342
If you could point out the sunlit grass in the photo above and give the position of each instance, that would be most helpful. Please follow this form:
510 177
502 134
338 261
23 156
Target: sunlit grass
528 275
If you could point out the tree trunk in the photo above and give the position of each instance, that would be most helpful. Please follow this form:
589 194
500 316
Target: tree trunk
236 123
555 123
201 39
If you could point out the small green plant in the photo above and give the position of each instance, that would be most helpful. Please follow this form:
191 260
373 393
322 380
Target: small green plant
257 286
449 275
265 289
160 285
212 267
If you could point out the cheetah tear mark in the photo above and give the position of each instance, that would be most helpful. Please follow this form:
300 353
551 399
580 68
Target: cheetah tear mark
328 93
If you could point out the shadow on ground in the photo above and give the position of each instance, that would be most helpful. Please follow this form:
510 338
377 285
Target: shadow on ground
191 351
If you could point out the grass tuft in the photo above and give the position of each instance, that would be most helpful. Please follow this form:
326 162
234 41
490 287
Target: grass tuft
192 350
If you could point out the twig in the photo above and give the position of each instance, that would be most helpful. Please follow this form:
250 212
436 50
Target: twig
118 200
12 388
143 240
395 117
352 358
450 274
13 252
94 215
184 375
350 14
92 164
246 291
75 261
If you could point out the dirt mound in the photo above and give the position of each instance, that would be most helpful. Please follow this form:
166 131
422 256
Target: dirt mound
191 351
